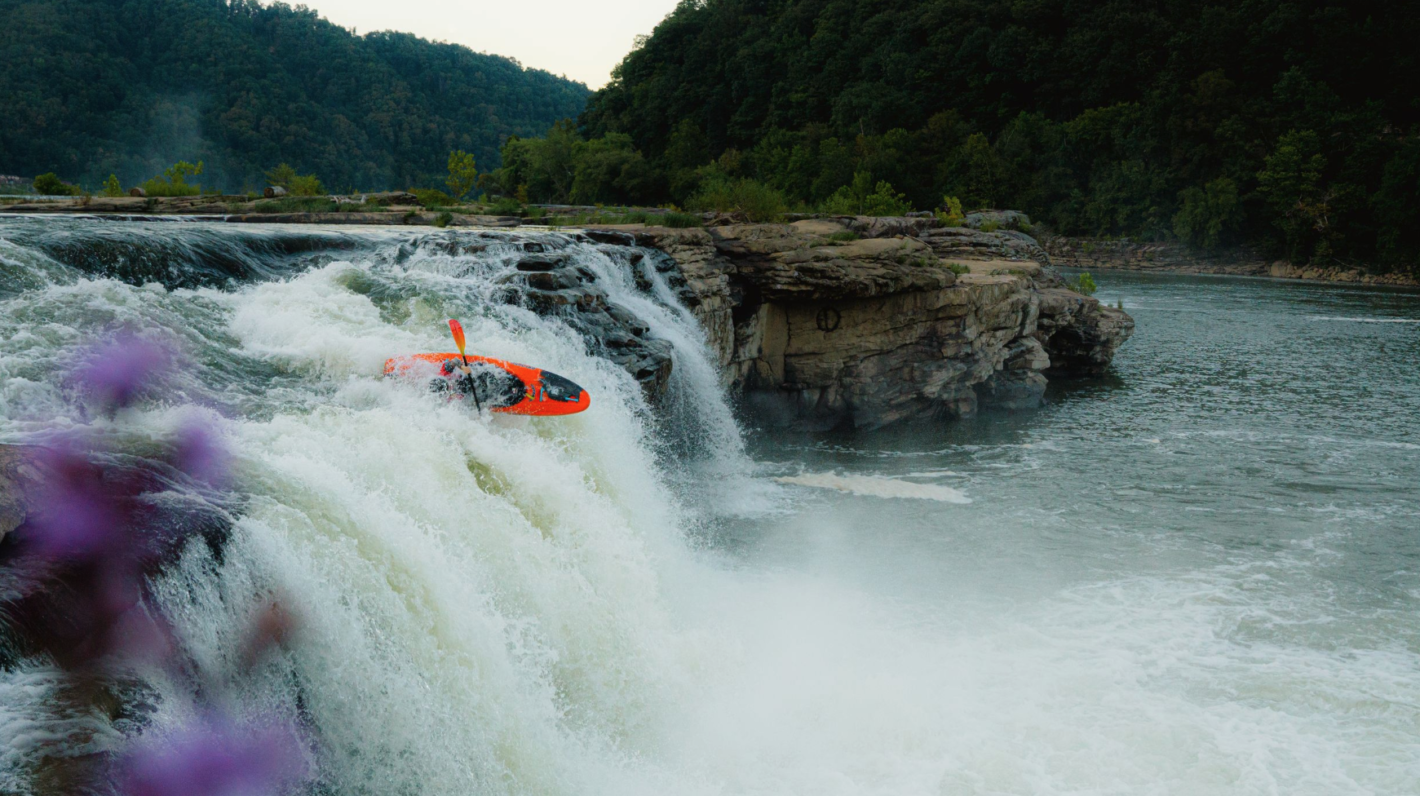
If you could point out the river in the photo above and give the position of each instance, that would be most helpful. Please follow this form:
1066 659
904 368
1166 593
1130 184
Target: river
1199 574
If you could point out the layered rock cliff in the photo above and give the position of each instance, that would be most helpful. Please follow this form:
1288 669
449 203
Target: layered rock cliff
868 322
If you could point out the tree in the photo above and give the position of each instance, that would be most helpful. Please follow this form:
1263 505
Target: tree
863 198
93 88
174 180
1209 214
112 187
463 173
284 176
50 185
1291 180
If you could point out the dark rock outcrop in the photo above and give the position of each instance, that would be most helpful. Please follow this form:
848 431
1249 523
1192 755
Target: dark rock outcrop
551 284
1079 333
820 328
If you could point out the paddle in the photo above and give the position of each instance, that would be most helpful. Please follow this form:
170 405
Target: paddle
457 329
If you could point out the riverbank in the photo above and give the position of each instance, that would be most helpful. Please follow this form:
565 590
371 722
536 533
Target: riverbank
1093 254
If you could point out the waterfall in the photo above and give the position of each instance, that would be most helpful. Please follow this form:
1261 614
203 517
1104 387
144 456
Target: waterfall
482 605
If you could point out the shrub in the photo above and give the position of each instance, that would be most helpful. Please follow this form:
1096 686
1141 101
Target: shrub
757 201
463 173
112 186
681 220
308 185
50 185
174 181
950 213
300 204
862 198
443 219
845 236
432 197
507 206
958 268
283 176
990 226
1083 284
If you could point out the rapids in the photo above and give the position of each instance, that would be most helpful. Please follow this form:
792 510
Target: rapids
1199 575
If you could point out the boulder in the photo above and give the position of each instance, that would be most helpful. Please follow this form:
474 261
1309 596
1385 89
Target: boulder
19 474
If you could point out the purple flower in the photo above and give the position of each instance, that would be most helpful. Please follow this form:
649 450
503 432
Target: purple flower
214 757
81 515
116 372
201 456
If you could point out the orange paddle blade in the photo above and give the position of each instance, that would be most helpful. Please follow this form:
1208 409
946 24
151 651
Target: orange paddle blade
457 329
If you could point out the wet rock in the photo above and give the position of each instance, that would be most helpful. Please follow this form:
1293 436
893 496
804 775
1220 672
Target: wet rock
540 263
550 284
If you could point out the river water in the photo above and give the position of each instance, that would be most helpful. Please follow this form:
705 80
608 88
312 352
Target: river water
1199 574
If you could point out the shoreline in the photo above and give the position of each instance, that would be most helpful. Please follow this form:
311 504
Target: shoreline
1170 258
1085 254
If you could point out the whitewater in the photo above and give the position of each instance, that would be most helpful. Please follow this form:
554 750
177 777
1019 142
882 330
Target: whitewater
1112 596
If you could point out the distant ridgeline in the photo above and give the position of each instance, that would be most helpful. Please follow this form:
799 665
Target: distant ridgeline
94 87
1291 125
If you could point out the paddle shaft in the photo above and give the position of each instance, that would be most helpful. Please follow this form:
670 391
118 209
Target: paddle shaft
457 329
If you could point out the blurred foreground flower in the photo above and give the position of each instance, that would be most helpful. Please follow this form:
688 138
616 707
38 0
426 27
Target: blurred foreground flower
118 370
214 757
75 583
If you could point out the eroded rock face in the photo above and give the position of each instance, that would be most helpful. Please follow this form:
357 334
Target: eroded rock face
1080 334
819 328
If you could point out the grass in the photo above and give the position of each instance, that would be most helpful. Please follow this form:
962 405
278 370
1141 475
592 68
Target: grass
958 268
681 220
313 204
674 219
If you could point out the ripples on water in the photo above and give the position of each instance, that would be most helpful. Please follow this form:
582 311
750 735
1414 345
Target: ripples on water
1197 575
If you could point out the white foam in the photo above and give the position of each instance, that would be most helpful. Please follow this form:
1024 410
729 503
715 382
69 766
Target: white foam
1363 320
875 486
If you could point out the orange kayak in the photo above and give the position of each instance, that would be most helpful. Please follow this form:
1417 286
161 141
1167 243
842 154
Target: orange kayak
504 387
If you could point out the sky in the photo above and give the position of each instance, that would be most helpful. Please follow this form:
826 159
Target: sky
575 38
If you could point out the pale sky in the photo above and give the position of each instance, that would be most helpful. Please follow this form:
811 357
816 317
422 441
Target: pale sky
579 39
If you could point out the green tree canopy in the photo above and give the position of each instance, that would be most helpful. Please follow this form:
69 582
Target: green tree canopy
126 87
1290 124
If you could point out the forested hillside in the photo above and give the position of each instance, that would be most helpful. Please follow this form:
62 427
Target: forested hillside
1292 125
93 87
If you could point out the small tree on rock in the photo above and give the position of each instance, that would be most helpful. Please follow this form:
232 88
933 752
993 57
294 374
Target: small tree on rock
283 176
463 173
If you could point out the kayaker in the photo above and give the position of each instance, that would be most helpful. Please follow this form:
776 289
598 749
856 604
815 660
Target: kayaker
491 386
